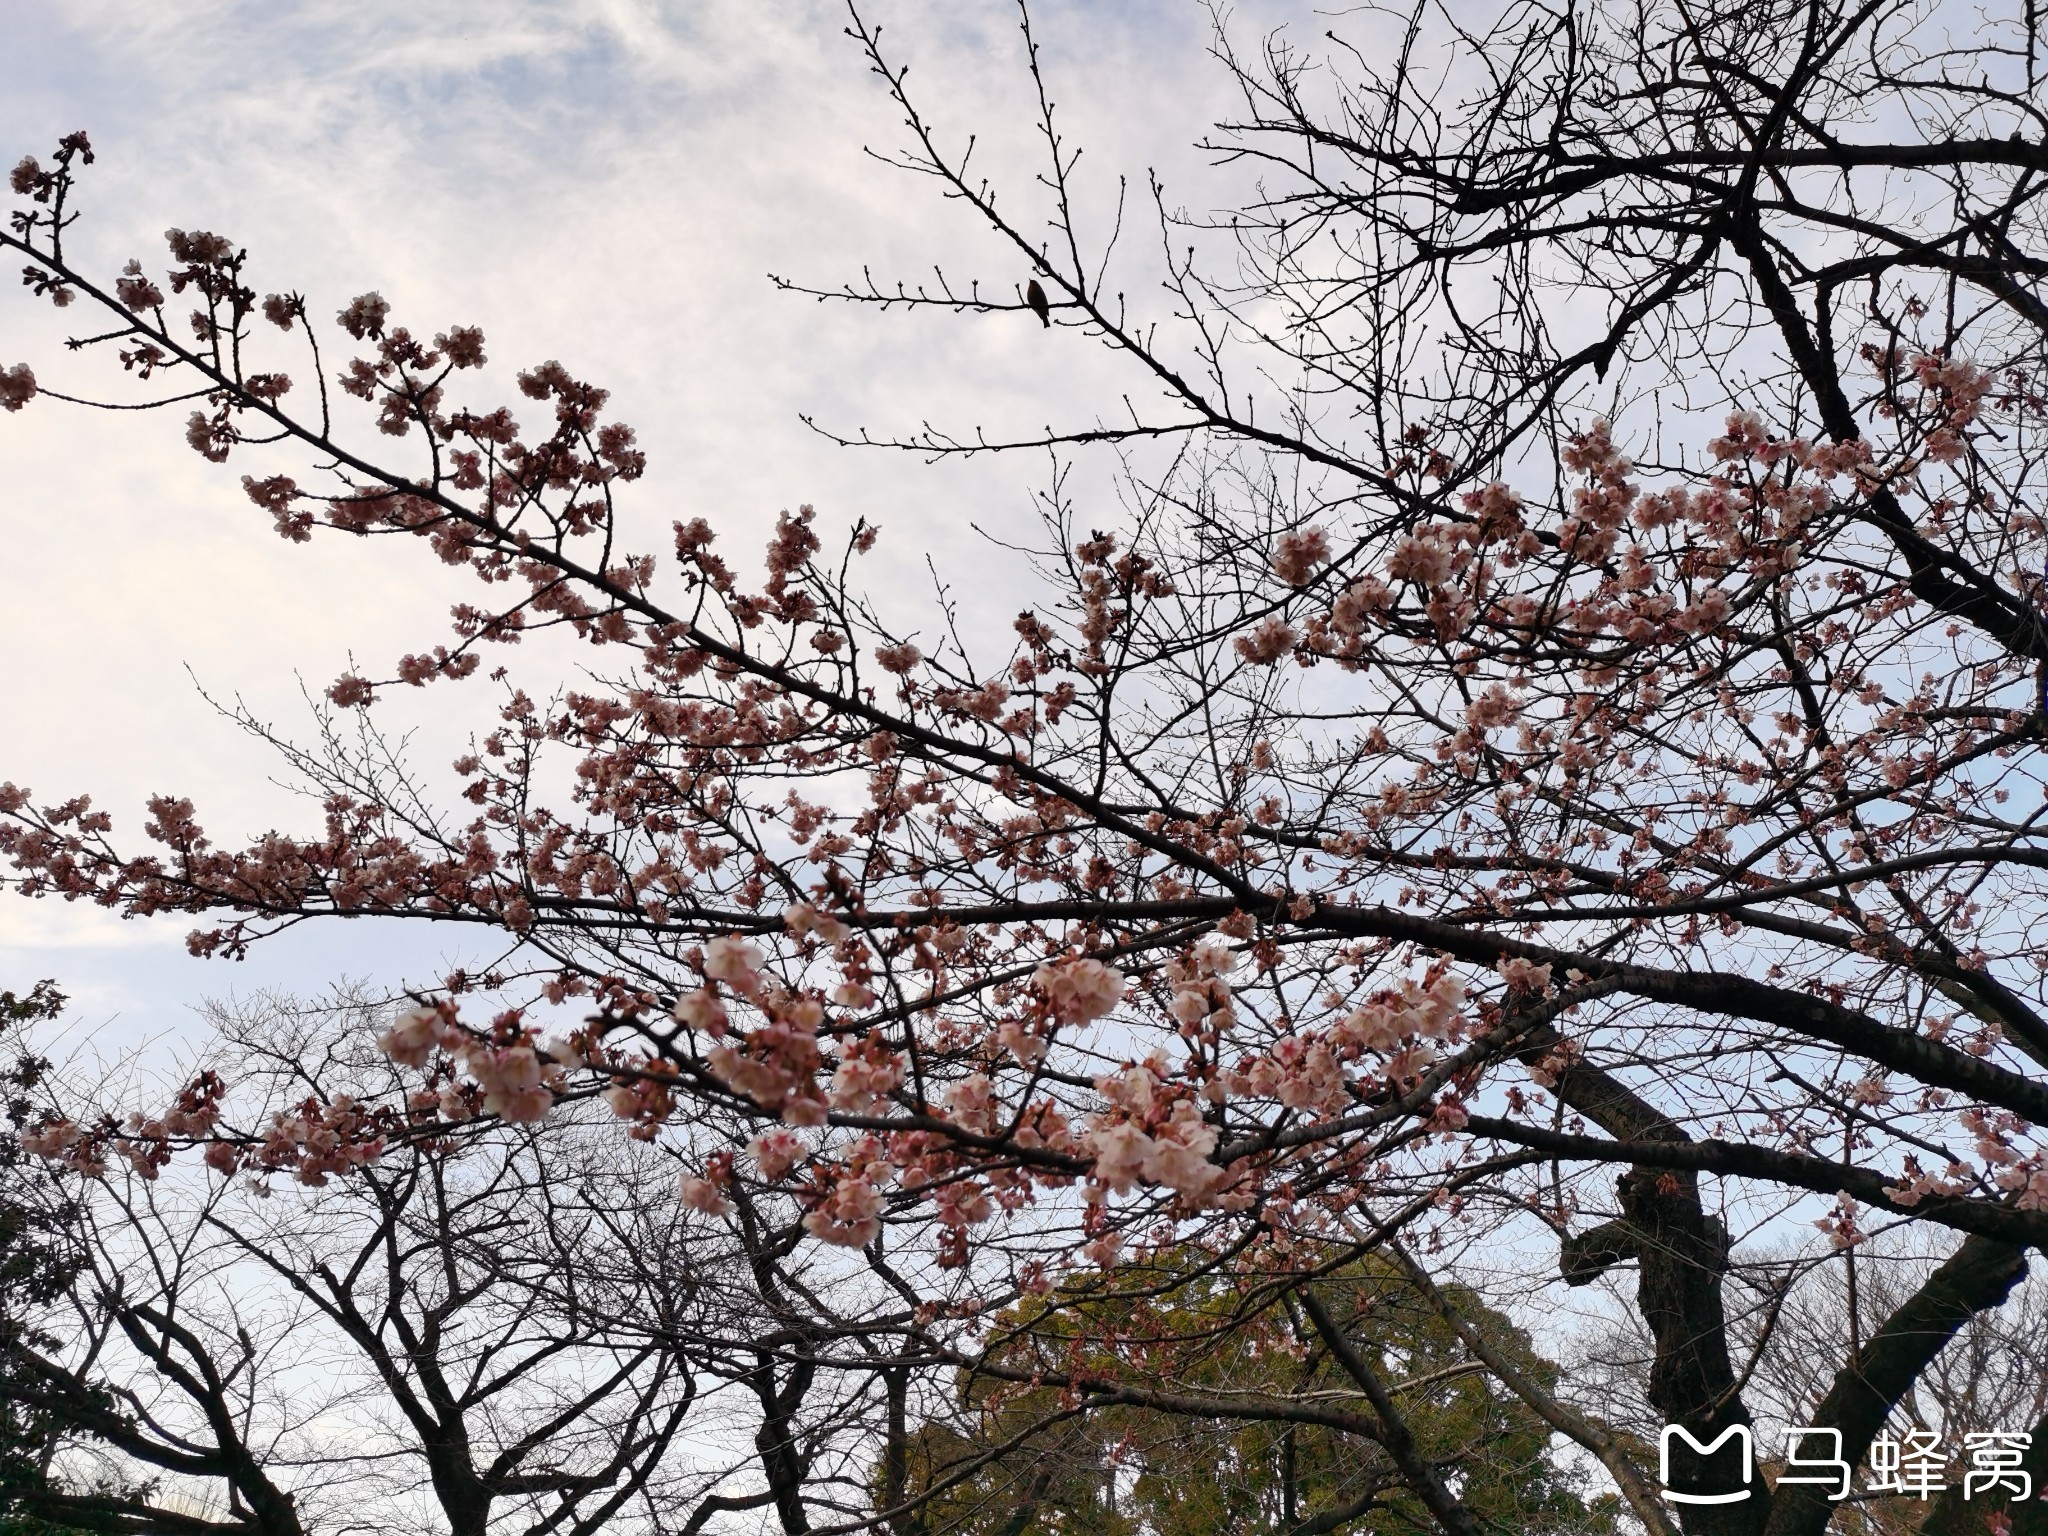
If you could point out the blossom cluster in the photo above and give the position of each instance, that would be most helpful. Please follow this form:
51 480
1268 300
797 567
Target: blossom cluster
1604 706
516 1077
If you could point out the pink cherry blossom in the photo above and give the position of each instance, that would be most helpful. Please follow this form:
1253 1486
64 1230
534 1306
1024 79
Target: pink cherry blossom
1079 989
700 1194
1299 554
775 1152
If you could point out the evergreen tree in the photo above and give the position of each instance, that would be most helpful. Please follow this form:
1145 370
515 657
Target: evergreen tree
1028 1461
36 1262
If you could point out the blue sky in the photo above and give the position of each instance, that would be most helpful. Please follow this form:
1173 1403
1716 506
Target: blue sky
604 181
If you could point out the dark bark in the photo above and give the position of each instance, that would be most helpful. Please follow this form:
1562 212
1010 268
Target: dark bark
79 1406
108 1516
178 1356
2031 1518
1978 1275
783 1462
896 1453
1681 1253
1788 1169
1584 1257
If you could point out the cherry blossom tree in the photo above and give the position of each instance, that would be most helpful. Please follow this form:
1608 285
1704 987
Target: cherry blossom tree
1542 759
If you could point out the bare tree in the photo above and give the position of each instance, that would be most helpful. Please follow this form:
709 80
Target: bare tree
515 1331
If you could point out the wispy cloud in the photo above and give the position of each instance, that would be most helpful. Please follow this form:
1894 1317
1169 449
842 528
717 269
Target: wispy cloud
608 181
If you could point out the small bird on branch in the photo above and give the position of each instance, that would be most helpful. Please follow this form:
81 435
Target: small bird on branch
1035 297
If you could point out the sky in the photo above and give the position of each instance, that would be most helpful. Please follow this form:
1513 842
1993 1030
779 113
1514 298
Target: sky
609 182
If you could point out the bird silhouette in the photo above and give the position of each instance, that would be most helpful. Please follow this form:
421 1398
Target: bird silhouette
1035 297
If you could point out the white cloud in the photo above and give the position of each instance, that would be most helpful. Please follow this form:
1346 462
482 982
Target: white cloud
607 181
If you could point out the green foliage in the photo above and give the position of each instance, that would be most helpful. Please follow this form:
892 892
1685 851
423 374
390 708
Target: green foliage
36 1263
1237 1340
